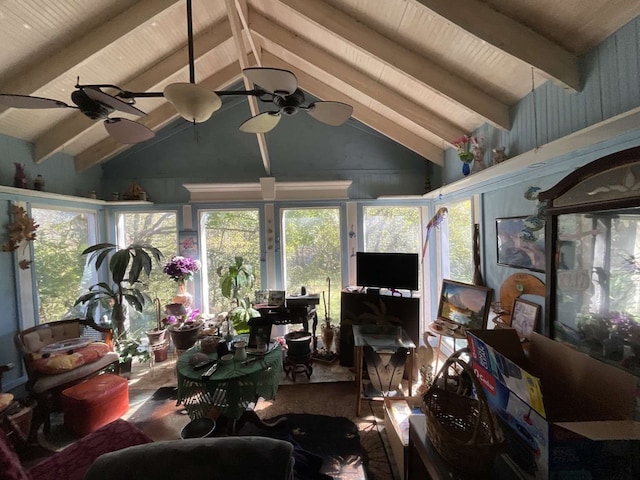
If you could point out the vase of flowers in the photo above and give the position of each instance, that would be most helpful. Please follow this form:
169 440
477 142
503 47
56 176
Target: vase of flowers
181 269
463 146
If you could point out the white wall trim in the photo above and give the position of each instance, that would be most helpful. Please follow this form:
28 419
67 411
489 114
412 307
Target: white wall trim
268 190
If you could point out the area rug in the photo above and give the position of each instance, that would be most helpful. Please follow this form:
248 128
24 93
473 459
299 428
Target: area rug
317 421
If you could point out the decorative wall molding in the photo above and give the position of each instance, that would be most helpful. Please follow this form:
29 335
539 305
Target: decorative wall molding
268 190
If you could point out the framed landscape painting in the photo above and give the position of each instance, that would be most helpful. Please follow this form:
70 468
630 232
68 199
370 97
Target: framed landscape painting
464 304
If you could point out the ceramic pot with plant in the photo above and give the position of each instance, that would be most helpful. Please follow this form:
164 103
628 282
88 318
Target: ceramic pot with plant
126 268
236 284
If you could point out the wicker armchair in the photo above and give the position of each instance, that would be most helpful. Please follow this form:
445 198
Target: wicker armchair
47 388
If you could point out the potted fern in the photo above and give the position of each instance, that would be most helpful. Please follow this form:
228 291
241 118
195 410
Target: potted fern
126 267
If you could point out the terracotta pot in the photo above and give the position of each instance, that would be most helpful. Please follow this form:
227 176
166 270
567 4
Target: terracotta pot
185 338
156 337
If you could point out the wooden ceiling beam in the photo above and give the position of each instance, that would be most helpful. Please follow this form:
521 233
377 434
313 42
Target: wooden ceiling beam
441 81
155 120
513 38
234 14
80 50
362 113
66 131
440 126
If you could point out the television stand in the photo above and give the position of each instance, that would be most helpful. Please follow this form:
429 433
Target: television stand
360 308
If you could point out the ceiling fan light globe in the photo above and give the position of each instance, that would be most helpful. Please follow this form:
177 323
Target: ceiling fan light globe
193 103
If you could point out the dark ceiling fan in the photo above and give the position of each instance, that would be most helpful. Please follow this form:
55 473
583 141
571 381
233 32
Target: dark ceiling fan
95 104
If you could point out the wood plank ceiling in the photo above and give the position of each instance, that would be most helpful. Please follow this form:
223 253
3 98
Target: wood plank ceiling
422 72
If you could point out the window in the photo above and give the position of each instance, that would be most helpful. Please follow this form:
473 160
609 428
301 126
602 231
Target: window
61 273
159 229
457 242
227 234
392 230
312 254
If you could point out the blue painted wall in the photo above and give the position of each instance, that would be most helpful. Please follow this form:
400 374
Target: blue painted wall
300 148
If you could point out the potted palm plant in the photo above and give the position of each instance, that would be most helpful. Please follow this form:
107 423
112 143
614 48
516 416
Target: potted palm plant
236 283
126 266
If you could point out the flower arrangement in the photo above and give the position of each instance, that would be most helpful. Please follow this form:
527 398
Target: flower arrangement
181 268
463 145
621 325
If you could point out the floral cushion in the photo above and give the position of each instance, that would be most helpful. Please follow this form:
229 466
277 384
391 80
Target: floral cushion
59 362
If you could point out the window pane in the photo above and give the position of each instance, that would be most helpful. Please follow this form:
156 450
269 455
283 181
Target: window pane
228 234
58 266
312 253
158 229
460 242
392 229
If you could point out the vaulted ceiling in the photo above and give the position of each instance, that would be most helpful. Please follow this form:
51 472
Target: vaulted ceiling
421 72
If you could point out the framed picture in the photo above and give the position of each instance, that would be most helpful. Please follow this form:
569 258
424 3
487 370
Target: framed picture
188 244
514 251
259 333
464 304
524 317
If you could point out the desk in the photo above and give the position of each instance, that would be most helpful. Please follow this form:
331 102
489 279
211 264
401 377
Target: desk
297 309
233 386
387 337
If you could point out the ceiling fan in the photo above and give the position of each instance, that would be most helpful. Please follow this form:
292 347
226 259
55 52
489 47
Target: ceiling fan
280 87
96 104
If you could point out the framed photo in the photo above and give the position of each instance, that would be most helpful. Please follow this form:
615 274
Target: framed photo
524 317
188 244
514 251
464 304
259 334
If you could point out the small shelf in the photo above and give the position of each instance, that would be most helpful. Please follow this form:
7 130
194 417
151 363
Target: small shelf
16 193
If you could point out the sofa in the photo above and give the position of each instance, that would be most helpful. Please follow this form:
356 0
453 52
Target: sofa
73 462
218 458
89 353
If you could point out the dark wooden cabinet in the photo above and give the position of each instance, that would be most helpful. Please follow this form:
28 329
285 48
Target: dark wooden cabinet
369 308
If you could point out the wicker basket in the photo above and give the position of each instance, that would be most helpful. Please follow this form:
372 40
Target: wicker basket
459 423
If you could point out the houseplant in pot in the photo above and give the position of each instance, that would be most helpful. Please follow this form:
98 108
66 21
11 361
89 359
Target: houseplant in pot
236 284
130 347
126 267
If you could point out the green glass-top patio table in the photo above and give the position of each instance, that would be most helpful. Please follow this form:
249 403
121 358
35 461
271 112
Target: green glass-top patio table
232 388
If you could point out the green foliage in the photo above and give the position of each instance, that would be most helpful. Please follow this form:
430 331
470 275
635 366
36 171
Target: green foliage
229 234
129 347
126 266
236 284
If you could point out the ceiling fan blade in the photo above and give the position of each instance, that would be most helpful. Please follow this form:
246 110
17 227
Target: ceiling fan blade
331 113
27 101
274 80
261 123
115 103
127 131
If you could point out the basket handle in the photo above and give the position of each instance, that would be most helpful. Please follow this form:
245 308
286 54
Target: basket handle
444 372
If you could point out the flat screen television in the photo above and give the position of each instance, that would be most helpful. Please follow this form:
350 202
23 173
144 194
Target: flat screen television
398 271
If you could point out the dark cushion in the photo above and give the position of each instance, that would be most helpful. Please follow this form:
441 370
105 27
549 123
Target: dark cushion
224 458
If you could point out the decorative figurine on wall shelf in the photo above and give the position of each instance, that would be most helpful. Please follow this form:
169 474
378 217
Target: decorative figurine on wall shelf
498 155
19 177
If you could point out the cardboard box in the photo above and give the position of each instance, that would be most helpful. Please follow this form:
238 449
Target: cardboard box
564 414
396 423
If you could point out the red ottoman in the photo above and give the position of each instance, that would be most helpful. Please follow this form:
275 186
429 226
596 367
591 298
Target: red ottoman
89 405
